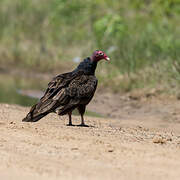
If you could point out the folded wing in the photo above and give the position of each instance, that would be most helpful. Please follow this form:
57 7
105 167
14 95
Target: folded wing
65 92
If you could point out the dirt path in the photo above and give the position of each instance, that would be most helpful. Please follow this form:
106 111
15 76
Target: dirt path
134 147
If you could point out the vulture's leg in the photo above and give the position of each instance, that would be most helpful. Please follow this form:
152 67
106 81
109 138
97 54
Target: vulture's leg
81 110
70 119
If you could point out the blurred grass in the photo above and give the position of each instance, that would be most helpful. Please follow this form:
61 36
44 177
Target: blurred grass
8 91
89 113
141 37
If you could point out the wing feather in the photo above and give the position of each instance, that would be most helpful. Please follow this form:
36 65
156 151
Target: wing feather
80 91
65 92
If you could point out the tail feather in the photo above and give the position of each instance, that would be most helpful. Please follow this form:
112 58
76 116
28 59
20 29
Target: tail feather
29 118
34 115
40 110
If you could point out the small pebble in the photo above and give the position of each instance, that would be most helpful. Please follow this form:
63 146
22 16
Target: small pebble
110 150
159 139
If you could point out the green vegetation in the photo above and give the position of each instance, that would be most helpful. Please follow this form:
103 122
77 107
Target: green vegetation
9 91
141 37
88 113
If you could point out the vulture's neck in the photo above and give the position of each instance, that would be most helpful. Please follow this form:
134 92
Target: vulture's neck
87 66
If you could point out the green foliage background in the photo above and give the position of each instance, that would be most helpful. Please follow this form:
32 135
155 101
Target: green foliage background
141 37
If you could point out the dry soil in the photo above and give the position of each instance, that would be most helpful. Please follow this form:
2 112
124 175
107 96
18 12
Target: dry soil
140 141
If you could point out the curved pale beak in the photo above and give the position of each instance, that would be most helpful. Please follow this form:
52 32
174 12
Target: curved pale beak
107 58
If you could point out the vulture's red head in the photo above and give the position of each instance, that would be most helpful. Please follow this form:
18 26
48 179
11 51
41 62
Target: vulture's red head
98 55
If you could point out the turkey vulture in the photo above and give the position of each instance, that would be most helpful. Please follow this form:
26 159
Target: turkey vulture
69 91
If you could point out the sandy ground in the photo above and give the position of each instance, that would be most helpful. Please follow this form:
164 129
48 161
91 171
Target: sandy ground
142 142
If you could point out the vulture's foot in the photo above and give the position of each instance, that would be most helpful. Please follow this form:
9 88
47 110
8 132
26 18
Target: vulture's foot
83 125
70 124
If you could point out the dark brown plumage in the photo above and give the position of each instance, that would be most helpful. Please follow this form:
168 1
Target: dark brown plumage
69 91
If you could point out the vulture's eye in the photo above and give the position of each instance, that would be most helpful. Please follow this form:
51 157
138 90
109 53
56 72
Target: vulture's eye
101 54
